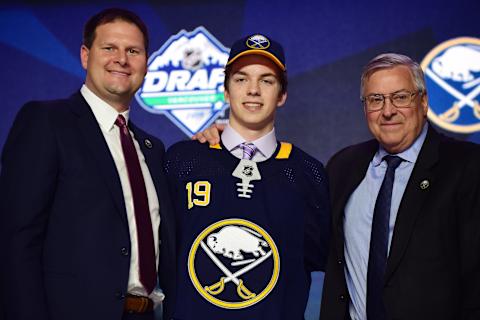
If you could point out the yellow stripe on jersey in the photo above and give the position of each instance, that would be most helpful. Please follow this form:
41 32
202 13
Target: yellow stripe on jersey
285 150
216 146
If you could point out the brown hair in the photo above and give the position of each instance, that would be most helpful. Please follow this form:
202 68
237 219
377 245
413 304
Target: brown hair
110 15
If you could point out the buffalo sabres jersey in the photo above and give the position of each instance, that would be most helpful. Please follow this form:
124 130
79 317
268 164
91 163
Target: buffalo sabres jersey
249 234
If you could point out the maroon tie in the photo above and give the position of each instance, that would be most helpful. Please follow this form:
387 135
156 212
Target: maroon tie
146 251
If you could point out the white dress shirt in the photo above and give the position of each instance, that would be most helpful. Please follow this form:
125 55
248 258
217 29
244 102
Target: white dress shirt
106 116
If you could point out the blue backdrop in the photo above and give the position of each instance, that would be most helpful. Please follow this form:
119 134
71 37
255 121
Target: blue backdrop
326 44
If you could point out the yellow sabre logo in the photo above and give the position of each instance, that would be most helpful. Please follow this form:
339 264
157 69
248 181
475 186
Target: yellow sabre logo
234 264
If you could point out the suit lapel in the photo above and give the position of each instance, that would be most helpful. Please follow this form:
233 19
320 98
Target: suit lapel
345 186
99 151
413 200
151 152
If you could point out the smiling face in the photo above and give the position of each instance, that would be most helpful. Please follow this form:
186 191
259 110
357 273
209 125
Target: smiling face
395 128
254 94
116 63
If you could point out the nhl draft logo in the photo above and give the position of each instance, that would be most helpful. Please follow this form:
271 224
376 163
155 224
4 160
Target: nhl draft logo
234 264
452 72
184 80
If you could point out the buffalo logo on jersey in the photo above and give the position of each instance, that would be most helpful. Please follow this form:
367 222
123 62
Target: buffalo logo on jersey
452 72
234 264
184 80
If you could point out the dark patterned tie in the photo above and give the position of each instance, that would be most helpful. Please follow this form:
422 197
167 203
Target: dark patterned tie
146 250
249 150
377 260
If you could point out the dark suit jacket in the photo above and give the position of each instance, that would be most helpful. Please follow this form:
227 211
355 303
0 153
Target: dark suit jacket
64 230
433 270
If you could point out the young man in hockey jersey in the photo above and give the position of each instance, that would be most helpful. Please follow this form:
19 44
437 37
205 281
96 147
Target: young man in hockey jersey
253 212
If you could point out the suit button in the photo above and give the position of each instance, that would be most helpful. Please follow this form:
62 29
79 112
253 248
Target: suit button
124 251
339 261
341 297
119 295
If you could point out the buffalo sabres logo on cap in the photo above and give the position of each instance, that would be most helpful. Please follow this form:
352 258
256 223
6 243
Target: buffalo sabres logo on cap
258 44
452 72
258 41
234 264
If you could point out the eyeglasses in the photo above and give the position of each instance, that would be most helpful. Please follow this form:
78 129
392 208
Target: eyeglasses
402 99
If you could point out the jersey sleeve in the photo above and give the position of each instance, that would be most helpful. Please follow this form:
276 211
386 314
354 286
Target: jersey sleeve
318 219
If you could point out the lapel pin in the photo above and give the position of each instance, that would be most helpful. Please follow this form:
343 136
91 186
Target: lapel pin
148 143
424 184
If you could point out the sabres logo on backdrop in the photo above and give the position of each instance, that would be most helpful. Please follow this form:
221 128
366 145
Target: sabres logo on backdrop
234 264
184 80
452 71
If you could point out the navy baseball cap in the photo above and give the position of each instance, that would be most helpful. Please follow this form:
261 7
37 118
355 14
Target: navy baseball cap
261 45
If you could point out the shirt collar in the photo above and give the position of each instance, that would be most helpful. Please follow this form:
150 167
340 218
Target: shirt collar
410 154
103 112
266 144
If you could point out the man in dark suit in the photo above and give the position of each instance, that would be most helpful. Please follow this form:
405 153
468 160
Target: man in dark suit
83 198
406 210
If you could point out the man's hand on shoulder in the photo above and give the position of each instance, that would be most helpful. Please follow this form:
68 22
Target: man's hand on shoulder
210 135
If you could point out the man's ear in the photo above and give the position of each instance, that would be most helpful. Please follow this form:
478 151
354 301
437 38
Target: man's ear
424 103
282 99
226 95
84 53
